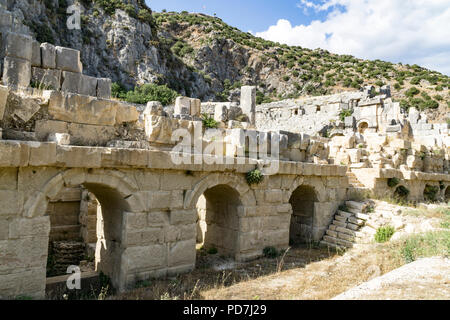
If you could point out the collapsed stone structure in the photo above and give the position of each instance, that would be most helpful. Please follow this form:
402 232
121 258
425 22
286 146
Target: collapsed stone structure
64 146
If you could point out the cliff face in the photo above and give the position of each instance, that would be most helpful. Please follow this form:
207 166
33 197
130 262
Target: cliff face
201 56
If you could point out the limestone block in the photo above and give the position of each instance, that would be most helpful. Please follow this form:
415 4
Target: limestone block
16 72
88 86
6 19
196 107
60 138
355 155
126 113
248 102
158 129
182 253
36 54
12 205
182 106
27 108
273 196
104 88
221 113
305 140
47 79
48 55
68 60
44 128
16 45
294 139
234 112
78 157
82 109
154 108
71 82
144 257
4 91
42 153
90 135
400 144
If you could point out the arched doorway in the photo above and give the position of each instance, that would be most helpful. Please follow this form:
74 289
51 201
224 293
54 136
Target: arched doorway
73 231
401 193
362 127
430 193
303 201
109 222
218 220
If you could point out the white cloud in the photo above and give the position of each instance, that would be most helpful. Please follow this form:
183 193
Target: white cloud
412 31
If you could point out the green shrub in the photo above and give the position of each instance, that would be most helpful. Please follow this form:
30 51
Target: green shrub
384 233
345 113
411 92
209 122
254 177
392 182
270 252
151 92
425 245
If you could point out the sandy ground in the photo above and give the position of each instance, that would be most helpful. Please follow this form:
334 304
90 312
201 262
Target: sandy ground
423 279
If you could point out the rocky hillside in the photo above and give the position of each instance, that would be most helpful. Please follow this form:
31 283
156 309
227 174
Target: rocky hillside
203 57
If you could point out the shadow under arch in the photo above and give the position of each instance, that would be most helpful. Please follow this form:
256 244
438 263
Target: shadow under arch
115 195
447 194
302 200
218 220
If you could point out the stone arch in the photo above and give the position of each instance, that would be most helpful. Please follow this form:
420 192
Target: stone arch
303 201
401 192
218 220
35 206
238 183
431 192
238 195
363 125
116 195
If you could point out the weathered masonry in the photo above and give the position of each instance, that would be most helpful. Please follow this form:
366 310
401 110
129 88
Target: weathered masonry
150 209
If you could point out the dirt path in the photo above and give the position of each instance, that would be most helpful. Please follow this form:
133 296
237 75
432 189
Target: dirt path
317 280
427 278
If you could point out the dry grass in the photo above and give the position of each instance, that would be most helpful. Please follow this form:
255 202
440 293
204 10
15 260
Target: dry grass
302 273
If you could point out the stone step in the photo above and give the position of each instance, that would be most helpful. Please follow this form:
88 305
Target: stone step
346 237
346 231
340 242
339 224
330 245
345 214
356 205
362 216
332 233
356 221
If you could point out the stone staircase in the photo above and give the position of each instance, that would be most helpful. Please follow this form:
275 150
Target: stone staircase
348 226
354 182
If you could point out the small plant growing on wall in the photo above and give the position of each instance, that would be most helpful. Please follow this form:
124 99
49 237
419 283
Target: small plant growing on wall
384 233
209 122
254 177
345 113
392 182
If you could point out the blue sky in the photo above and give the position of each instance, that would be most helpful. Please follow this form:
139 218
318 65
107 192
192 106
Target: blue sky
413 31
247 15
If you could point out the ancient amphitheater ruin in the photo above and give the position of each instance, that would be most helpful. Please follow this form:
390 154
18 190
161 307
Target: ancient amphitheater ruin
84 174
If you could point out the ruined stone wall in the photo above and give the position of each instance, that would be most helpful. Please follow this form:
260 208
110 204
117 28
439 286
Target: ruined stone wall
149 213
